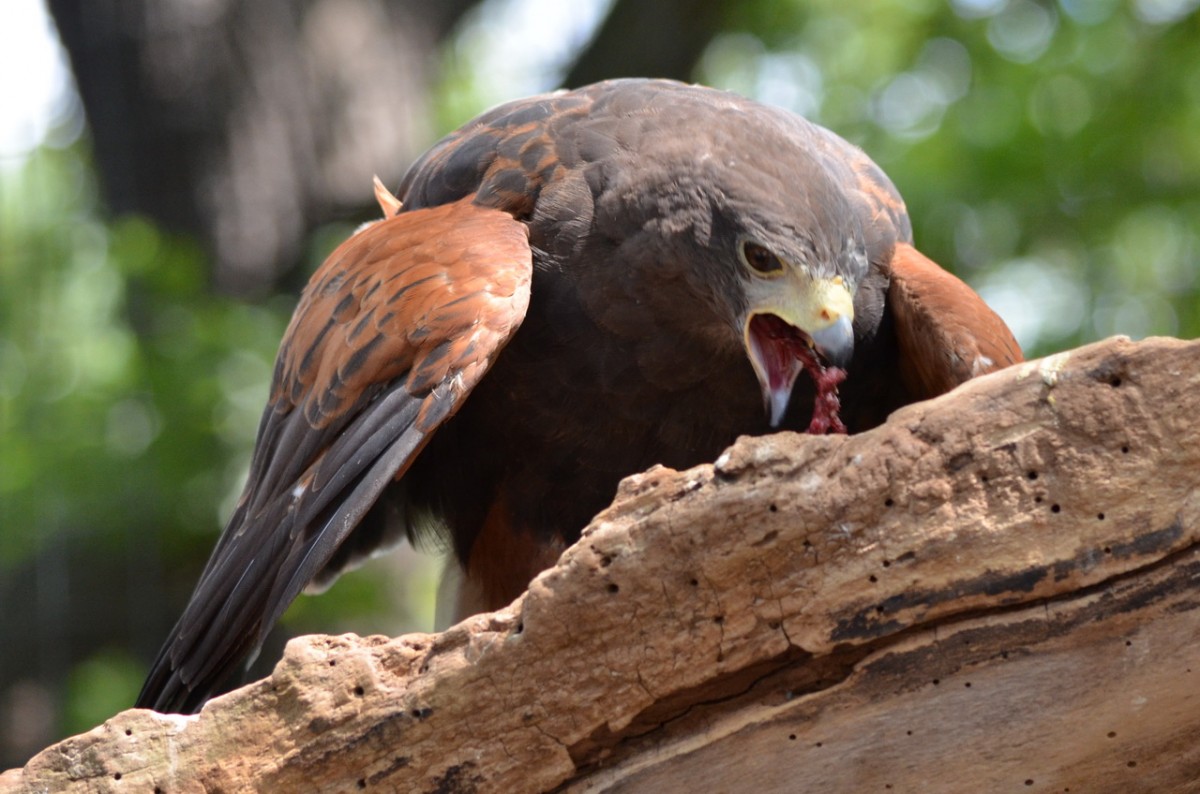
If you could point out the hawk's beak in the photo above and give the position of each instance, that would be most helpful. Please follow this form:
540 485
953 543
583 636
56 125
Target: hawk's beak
805 324
835 342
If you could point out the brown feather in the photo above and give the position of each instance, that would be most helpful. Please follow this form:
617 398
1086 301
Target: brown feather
388 204
946 333
503 561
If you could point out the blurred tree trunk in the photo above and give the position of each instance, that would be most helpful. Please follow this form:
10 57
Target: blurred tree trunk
246 122
639 39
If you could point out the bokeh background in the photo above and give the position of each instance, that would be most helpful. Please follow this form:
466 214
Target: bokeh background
172 170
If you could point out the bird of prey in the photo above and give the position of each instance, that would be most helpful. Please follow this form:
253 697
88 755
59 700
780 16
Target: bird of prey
567 290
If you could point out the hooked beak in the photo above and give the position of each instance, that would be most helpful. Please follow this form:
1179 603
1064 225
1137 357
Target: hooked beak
808 327
835 343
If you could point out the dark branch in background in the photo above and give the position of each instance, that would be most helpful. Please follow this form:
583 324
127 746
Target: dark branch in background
250 124
640 39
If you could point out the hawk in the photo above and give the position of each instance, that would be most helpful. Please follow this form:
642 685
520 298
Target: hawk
567 290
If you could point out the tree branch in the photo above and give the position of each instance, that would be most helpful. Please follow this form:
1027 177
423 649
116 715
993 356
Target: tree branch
994 590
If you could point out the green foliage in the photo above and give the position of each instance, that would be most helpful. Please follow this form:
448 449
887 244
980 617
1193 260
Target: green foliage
99 687
110 336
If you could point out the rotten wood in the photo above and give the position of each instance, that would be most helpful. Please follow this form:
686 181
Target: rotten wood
995 591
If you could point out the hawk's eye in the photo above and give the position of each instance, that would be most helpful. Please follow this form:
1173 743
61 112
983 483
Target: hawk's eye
760 259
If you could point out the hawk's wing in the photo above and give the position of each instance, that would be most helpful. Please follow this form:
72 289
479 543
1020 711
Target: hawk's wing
391 334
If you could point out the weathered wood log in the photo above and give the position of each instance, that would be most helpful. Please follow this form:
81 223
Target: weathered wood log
995 591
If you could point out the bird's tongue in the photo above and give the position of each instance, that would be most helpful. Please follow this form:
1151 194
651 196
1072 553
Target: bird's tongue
783 352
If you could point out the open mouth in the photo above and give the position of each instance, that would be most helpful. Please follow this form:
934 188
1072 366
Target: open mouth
780 352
